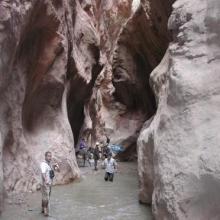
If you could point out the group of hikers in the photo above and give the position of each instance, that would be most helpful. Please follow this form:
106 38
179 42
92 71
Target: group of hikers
96 153
48 169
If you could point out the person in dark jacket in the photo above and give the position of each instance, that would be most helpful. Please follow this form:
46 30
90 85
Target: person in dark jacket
106 149
96 155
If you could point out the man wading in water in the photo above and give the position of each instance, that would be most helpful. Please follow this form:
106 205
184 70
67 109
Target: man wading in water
110 168
47 173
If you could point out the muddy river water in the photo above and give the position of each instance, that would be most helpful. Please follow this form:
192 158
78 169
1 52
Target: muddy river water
89 199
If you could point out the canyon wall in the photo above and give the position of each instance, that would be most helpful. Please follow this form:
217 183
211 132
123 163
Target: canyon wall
72 69
68 70
131 47
35 42
178 147
89 68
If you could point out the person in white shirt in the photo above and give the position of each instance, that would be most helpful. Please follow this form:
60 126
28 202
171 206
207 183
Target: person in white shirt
47 174
110 168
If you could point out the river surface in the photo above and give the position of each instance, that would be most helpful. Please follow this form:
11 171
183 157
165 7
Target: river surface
89 199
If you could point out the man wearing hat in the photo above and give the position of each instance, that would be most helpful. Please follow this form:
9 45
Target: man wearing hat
96 155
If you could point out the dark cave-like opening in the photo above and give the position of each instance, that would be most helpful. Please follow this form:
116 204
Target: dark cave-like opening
141 47
75 107
136 93
80 92
145 49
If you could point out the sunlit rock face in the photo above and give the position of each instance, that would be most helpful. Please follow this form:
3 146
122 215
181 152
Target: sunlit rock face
180 144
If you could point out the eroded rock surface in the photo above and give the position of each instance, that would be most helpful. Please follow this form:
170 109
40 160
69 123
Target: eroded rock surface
68 69
182 173
71 69
33 70
86 68
134 45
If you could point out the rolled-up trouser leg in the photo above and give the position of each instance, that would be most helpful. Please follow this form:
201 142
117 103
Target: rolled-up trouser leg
46 191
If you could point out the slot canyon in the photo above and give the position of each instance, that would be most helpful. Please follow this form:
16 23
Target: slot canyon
145 73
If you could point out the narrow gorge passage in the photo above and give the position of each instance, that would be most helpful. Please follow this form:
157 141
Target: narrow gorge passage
144 73
91 198
93 70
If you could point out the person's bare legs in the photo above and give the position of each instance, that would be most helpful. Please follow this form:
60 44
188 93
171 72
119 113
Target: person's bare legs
46 209
42 207
46 191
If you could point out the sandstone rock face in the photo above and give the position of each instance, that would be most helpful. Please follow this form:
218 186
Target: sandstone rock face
68 69
81 68
182 171
131 47
33 88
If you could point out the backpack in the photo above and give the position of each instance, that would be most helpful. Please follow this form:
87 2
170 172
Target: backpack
51 174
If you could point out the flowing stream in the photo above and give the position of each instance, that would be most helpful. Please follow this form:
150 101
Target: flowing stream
89 199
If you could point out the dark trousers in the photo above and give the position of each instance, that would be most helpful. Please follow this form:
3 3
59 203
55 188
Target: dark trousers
109 176
96 164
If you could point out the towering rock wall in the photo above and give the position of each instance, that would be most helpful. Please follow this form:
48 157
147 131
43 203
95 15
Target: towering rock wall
60 80
73 68
70 69
178 147
132 45
35 50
